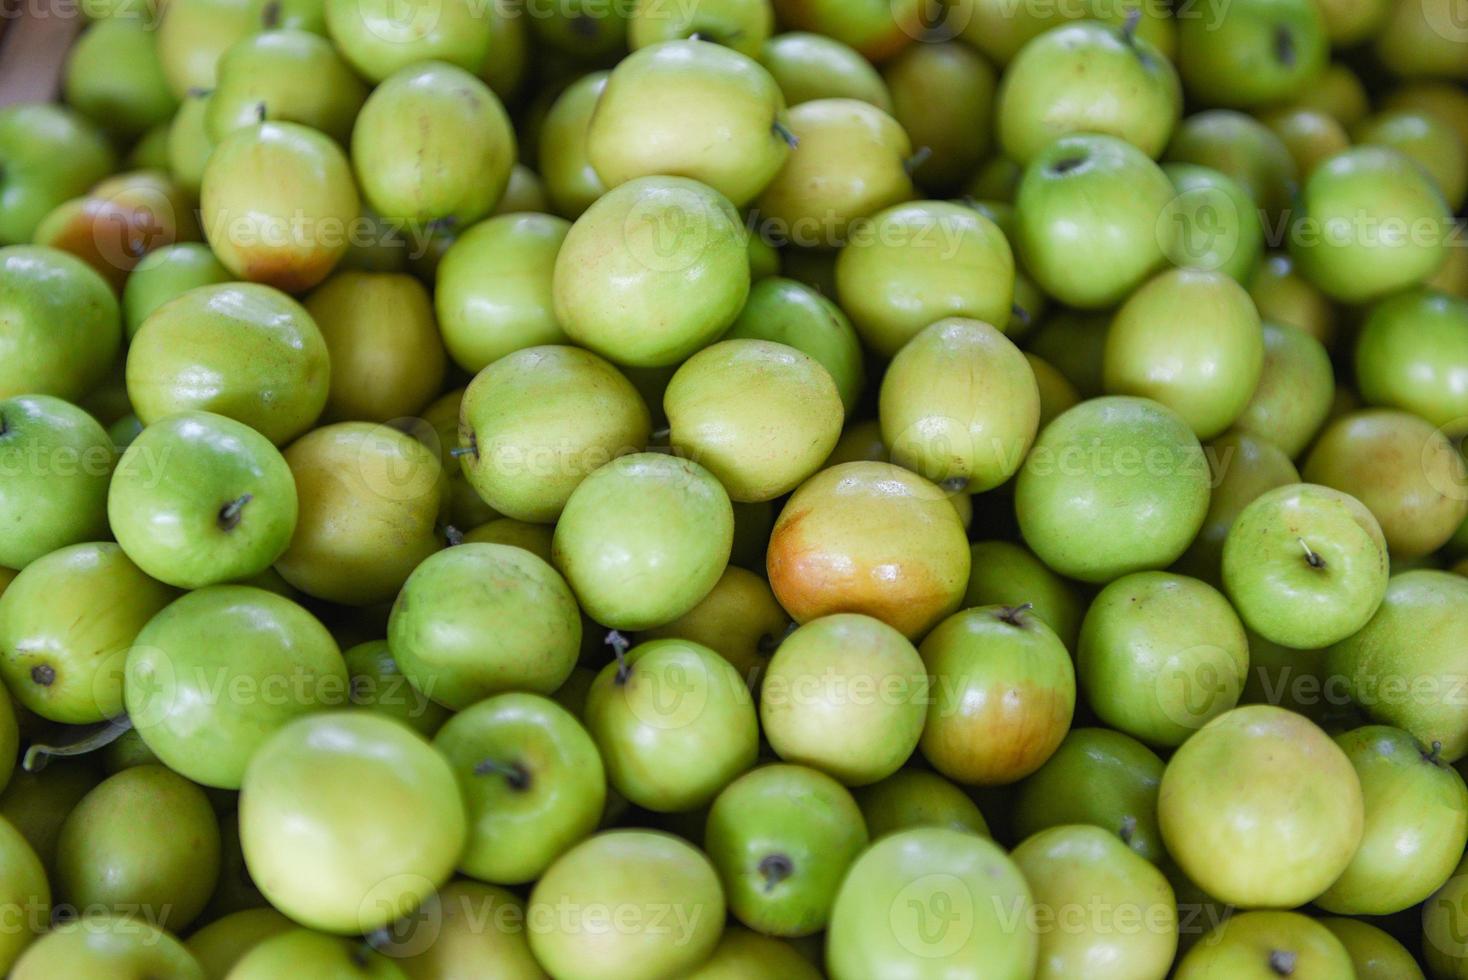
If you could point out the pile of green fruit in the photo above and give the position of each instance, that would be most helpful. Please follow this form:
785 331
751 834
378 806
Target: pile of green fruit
737 490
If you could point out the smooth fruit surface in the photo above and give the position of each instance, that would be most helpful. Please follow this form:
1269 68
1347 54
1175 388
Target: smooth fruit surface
62 324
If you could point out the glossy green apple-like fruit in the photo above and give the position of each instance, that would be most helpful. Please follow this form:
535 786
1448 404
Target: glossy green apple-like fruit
62 324
144 838
792 313
215 673
742 953
370 500
1428 140
1264 945
1295 392
1412 354
245 351
1244 467
1161 655
1243 148
322 857
1115 485
1416 824
782 838
916 263
1068 865
534 538
387 358
194 34
66 624
812 688
1214 224
286 75
306 951
532 781
1206 372
1253 767
932 902
1007 574
1097 777
1311 135
571 183
1444 940
1256 52
653 271
23 888
58 461
1374 953
810 66
459 596
941 424
1004 694
189 145
739 619
461 942
760 415
433 144
199 499
690 109
1284 296
643 539
1370 222
378 39
1305 565
879 30
1404 470
918 798
539 421
278 203
675 724
494 293
50 154
943 96
1088 210
871 538
112 75
106 944
743 25
1087 77
377 684
637 871
36 804
1401 666
164 274
849 163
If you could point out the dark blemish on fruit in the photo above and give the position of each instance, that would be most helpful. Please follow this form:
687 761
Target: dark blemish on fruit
270 16
1282 962
1066 164
43 674
1284 46
775 868
517 777
1014 615
230 513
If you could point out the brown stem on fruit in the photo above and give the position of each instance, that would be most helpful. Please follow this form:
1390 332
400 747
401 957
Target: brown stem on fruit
1284 46
459 452
1129 26
360 954
1435 755
1128 830
260 112
620 645
43 675
1312 559
775 868
517 777
38 755
453 536
1066 164
270 15
1282 962
769 644
1012 614
922 156
785 133
229 514
954 484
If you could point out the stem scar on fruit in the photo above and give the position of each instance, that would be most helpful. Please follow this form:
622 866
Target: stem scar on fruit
1012 614
619 645
1282 962
517 777
1313 559
230 513
775 868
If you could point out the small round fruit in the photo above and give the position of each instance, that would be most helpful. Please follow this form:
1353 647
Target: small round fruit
1374 953
675 724
761 416
1412 354
782 838
376 684
1254 52
643 539
653 271
106 945
1191 340
24 891
457 598
164 274
810 66
871 538
918 798
62 324
1212 223
322 857
457 940
852 674
1244 467
1266 945
378 40
1295 392
1261 766
638 872
883 922
1008 574
1004 693
1115 485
